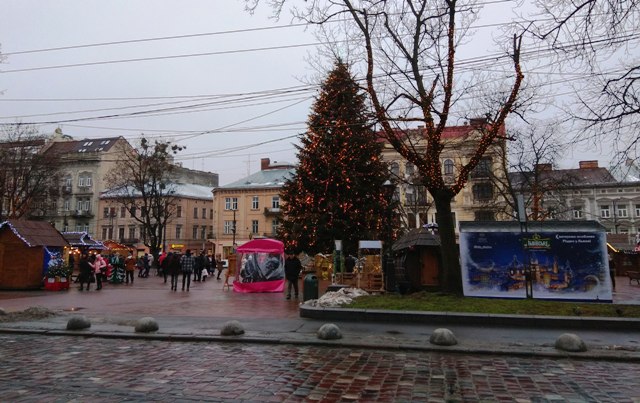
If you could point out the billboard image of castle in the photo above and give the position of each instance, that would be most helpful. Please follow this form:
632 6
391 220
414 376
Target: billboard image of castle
570 263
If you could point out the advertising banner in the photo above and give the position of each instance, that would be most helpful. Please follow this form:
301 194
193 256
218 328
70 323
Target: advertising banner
556 265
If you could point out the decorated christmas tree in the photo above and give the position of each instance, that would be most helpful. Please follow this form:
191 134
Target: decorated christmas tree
337 190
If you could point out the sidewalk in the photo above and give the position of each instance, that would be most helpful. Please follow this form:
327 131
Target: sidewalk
198 315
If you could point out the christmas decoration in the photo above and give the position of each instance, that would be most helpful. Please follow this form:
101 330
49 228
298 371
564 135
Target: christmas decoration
336 192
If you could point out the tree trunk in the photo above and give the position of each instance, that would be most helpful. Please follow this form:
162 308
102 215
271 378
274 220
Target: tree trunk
450 274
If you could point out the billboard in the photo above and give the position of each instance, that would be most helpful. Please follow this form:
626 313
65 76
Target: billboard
556 265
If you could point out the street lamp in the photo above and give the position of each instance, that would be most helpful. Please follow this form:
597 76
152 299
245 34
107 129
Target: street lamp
233 231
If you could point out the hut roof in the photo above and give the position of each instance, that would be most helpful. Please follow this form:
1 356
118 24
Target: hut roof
416 237
35 233
82 238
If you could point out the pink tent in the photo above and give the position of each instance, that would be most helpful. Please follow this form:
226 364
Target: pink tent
260 266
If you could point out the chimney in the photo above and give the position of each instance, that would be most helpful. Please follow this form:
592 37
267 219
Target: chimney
588 164
264 163
477 122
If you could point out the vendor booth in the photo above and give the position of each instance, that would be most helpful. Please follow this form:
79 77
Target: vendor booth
29 252
416 257
260 266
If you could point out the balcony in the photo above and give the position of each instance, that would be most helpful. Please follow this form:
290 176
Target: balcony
66 190
273 211
82 213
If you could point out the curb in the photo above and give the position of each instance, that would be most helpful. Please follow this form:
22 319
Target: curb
541 321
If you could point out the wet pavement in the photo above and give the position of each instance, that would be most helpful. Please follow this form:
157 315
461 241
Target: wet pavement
280 358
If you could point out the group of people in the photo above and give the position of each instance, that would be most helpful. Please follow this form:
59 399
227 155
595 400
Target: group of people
202 266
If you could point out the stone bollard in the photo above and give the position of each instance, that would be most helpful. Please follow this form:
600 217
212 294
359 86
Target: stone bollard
570 342
232 328
79 322
329 331
146 325
443 337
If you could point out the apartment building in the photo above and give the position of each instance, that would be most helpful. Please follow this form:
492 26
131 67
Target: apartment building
189 228
478 200
84 166
250 207
591 192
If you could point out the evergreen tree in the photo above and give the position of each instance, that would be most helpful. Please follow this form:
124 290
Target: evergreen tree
336 192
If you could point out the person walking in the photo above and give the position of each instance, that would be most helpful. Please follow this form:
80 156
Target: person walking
129 268
164 264
85 272
187 264
174 267
98 264
292 269
219 265
197 272
146 262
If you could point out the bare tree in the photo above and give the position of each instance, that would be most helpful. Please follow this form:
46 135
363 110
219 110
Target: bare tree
409 53
530 162
602 33
141 183
28 174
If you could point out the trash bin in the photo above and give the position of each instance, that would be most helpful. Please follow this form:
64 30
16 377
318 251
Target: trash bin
310 287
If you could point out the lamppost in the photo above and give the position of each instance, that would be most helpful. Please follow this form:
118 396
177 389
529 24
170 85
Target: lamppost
389 189
233 231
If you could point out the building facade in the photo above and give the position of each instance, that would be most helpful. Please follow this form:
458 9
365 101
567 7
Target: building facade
250 207
478 200
189 228
84 166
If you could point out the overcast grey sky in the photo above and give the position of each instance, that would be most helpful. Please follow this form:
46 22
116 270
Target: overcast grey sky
229 85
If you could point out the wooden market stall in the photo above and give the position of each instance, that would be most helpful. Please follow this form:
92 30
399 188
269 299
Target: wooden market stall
26 249
416 257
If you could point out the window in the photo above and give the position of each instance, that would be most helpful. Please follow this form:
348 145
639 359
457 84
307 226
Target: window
203 232
195 232
178 231
133 211
275 202
484 215
483 169
84 180
132 232
482 191
67 205
577 212
604 212
120 232
448 167
123 212
254 226
204 213
637 210
395 169
231 203
210 213
228 227
195 215
409 169
105 212
255 203
104 233
622 211
179 212
274 226
67 182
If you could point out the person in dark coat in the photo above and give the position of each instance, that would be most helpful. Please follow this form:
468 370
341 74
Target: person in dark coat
85 272
173 266
292 269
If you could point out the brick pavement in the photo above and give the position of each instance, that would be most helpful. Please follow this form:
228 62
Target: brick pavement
37 369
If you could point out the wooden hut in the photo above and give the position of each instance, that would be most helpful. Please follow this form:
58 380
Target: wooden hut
25 249
416 258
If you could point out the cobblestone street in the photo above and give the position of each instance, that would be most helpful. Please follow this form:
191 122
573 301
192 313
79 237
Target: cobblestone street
39 369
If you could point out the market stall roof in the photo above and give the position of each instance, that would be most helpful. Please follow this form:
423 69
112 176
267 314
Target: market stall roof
113 245
82 239
416 237
264 245
35 233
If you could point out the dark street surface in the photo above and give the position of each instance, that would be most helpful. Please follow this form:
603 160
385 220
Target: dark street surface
279 358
